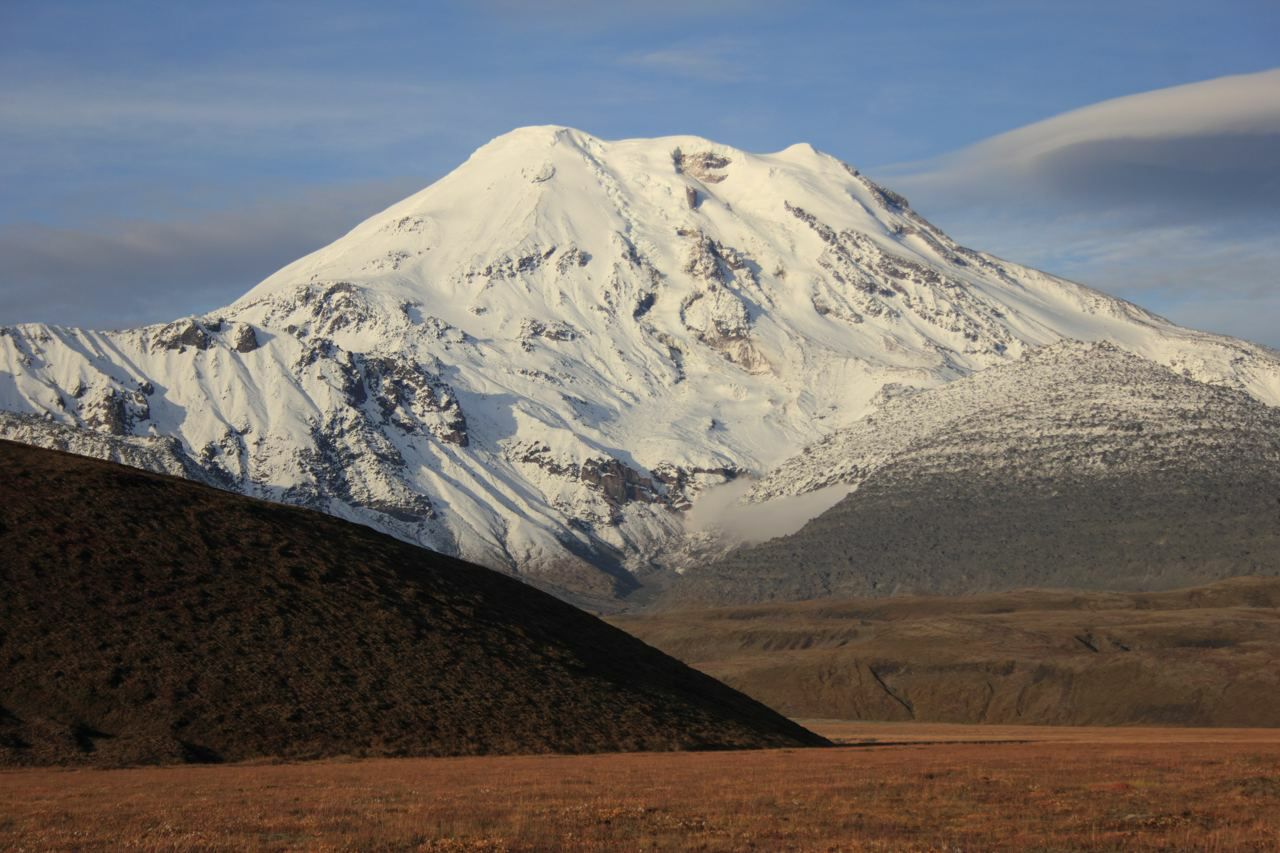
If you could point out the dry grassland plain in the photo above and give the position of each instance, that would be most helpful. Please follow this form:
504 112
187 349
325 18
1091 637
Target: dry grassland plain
888 787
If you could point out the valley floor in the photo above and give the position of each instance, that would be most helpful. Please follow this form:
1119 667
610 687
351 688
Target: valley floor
891 786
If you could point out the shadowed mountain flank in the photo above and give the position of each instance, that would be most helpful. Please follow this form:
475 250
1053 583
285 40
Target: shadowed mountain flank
147 619
1080 466
1201 657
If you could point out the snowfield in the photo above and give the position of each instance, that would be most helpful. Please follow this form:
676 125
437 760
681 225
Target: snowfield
543 360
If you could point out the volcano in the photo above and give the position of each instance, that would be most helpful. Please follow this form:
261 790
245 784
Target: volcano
542 361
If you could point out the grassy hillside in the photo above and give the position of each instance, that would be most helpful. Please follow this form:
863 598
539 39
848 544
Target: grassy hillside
149 619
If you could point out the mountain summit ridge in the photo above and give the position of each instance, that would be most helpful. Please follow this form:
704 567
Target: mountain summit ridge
540 360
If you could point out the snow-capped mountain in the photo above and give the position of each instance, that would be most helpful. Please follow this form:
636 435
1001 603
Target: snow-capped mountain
541 360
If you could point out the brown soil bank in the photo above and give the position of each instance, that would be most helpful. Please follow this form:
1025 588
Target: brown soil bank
148 619
1204 657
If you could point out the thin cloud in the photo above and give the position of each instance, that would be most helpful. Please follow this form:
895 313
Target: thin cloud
711 62
1170 197
111 274
266 106
623 13
1170 155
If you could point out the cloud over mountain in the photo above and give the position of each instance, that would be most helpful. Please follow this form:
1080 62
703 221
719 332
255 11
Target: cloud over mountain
114 273
1171 196
1174 150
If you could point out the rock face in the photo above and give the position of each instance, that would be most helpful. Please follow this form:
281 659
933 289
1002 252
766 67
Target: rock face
146 619
633 307
1080 466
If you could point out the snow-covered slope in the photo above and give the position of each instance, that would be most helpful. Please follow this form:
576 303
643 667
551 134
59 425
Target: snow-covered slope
540 360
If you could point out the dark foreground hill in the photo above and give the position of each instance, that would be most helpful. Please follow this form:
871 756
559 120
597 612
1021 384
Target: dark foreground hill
1202 657
147 619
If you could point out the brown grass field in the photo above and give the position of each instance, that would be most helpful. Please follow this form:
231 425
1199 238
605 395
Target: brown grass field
891 787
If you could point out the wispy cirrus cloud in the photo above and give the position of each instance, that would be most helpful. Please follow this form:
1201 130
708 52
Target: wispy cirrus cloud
715 61
278 107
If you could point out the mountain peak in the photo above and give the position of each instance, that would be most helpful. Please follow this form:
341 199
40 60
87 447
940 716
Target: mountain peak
537 136
802 149
551 185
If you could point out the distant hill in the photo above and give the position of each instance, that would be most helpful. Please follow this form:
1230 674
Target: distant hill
146 619
1080 465
1201 657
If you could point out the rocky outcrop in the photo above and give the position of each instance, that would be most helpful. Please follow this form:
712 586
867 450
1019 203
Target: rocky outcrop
710 261
350 463
514 265
113 411
618 483
614 482
531 330
715 313
243 338
685 482
413 399
183 334
706 166
876 283
320 310
571 259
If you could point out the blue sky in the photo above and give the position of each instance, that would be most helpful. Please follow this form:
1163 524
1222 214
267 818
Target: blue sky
160 158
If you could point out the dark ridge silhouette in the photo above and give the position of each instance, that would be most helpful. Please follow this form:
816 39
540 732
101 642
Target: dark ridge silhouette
146 619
